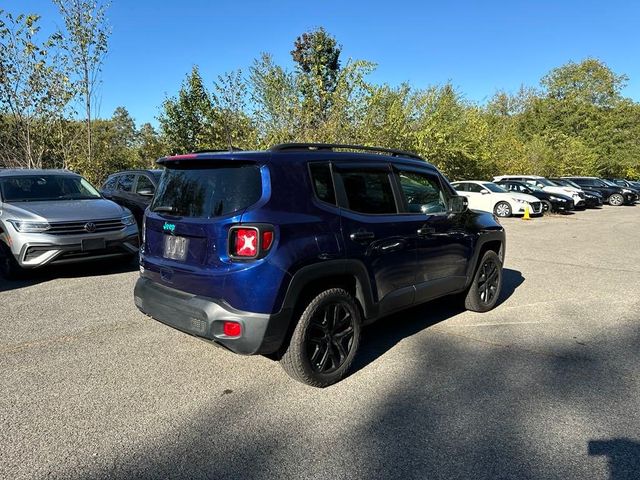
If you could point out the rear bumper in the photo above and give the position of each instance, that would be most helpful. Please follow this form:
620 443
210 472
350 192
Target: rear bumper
203 317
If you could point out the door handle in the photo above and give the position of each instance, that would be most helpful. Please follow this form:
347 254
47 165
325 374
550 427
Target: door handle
362 235
426 231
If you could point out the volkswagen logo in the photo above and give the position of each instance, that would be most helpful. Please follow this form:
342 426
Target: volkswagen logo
90 227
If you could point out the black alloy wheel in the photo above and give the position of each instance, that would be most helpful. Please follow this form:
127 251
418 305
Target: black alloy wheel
325 339
488 281
484 291
330 337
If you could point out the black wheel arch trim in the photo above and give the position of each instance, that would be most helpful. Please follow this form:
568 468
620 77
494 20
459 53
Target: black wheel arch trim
484 237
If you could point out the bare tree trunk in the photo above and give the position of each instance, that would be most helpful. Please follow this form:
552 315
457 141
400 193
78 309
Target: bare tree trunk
87 99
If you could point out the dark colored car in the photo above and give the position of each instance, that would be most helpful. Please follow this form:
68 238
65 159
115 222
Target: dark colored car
635 186
551 202
133 189
592 198
611 193
288 252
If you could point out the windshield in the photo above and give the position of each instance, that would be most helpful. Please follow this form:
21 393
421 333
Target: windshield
208 192
545 182
493 187
39 188
535 188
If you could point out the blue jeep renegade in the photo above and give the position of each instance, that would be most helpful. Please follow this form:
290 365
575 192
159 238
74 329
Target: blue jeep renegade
290 251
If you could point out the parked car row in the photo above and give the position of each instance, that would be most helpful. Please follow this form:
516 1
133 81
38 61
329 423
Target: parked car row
510 195
56 216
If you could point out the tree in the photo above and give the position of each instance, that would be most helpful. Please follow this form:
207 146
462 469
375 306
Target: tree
275 101
150 147
590 81
317 57
229 106
185 121
85 38
33 92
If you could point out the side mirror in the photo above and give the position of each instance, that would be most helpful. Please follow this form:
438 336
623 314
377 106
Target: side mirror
458 204
484 192
146 192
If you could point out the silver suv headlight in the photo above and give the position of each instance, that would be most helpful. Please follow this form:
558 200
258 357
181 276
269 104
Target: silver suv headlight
128 220
24 226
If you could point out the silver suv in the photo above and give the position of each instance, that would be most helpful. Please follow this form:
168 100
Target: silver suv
55 216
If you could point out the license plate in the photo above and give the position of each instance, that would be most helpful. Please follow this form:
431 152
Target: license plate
175 248
93 244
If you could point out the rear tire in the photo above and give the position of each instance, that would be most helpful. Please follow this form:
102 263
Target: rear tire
9 267
616 200
325 340
484 291
502 209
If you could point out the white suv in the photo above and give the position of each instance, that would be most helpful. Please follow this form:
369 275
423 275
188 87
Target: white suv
548 186
489 197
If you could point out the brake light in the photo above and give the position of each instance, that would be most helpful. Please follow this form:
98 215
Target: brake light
246 242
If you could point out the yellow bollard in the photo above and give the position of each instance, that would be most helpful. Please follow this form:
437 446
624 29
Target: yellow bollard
526 213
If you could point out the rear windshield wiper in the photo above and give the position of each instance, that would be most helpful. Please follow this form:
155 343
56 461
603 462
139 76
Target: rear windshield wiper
166 209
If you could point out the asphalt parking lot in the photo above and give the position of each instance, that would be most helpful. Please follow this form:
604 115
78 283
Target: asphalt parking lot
545 386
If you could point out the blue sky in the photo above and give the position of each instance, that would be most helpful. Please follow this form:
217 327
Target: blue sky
481 47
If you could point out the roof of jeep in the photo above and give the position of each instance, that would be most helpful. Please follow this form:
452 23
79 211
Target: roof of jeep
294 157
20 172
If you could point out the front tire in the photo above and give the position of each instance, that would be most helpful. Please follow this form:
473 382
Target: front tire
9 267
546 207
502 209
484 291
616 200
325 340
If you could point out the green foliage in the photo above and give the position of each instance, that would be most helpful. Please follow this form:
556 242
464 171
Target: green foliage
186 120
317 58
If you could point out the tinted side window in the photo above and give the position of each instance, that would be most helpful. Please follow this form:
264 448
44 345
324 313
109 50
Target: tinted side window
460 187
474 187
369 191
322 182
144 184
110 183
125 182
422 192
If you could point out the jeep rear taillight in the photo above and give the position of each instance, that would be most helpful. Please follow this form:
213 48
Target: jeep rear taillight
246 242
250 241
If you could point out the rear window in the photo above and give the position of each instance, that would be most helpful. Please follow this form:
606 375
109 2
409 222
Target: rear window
208 192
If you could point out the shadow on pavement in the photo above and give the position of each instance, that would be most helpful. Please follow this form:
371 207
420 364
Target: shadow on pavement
387 332
73 270
623 457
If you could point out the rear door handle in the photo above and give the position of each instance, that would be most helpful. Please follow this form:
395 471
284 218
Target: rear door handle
362 235
426 231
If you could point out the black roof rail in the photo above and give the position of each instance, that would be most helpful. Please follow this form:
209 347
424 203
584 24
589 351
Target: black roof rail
332 146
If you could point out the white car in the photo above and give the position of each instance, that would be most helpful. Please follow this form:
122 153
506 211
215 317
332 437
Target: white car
548 186
489 197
